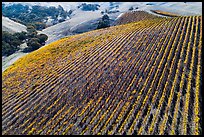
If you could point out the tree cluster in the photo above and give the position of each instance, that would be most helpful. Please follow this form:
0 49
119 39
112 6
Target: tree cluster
35 15
131 8
105 22
34 41
89 7
11 42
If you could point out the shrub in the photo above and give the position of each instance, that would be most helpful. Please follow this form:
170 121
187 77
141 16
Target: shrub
42 38
105 22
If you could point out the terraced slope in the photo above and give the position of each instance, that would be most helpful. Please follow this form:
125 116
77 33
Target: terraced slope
137 78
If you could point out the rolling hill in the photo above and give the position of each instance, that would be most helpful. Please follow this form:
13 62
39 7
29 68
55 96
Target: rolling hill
138 78
134 16
12 26
67 27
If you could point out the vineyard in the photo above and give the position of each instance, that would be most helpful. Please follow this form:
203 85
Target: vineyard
169 14
140 78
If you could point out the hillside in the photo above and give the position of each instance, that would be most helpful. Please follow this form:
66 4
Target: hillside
134 16
167 14
12 26
38 16
66 28
137 78
71 18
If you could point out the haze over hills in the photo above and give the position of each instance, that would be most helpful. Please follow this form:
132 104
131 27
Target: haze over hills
183 8
139 78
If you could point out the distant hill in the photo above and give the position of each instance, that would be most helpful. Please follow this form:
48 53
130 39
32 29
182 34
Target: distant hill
70 27
134 16
12 26
35 15
139 78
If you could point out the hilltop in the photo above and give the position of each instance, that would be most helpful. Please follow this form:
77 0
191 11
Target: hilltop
142 77
134 16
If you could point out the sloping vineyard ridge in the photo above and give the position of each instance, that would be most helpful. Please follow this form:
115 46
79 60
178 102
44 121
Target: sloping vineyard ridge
140 78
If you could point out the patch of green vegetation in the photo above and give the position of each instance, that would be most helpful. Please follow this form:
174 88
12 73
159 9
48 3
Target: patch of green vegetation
35 15
104 22
11 42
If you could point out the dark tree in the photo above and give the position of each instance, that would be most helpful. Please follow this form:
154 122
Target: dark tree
131 8
31 32
11 42
105 17
104 23
7 49
20 35
33 44
42 38
40 25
